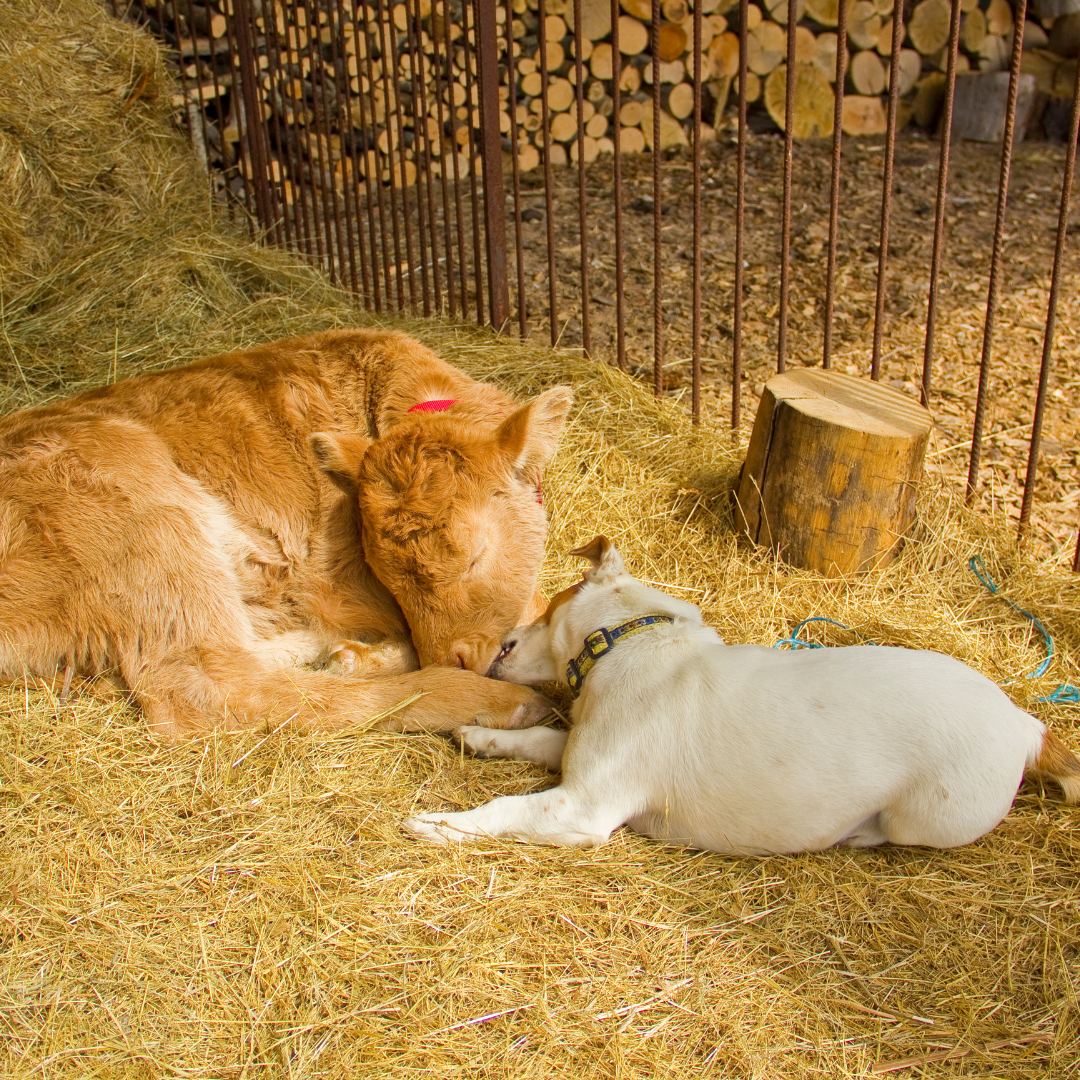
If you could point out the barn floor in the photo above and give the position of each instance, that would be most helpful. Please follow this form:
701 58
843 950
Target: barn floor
246 906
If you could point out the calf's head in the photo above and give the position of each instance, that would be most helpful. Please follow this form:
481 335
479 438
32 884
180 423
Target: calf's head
453 524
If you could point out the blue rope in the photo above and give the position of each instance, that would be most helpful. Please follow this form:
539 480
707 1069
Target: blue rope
1065 694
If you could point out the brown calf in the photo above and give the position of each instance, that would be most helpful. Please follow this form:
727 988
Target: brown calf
204 532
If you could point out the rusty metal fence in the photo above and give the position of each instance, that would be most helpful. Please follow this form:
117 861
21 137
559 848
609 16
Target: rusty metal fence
386 142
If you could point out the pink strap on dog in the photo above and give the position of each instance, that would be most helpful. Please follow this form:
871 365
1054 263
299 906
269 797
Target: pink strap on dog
434 406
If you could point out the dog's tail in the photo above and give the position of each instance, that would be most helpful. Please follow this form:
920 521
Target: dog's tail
1056 762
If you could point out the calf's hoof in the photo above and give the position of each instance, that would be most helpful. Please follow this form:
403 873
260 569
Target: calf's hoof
520 710
431 827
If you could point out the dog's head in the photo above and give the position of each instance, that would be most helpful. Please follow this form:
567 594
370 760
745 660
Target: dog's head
605 596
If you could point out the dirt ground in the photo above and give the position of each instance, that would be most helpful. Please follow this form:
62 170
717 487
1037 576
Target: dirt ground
1017 345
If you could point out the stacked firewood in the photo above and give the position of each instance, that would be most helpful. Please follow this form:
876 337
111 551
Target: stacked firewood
377 91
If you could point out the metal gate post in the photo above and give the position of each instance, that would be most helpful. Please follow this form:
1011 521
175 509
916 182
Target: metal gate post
255 135
491 154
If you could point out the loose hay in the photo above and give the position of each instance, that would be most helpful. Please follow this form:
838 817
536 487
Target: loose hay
246 906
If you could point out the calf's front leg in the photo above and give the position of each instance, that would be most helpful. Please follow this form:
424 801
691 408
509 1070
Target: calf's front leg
554 817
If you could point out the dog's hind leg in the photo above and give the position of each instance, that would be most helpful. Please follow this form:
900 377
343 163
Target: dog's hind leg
545 817
541 745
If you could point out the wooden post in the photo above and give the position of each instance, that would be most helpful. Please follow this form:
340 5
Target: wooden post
831 471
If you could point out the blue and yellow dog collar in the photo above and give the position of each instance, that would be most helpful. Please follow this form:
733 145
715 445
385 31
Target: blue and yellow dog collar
601 642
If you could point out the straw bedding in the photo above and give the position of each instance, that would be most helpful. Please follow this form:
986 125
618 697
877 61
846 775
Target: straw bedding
246 906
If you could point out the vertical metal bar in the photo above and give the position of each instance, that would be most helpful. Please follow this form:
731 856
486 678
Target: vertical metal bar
487 57
695 323
939 212
467 7
385 30
302 128
283 137
886 189
1076 557
545 120
515 168
364 152
418 148
459 213
616 100
181 71
391 78
658 248
834 188
583 220
332 219
996 256
1051 314
340 105
416 22
241 149
249 74
740 227
371 159
440 16
351 179
785 206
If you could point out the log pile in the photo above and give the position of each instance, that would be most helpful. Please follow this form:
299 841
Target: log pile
378 91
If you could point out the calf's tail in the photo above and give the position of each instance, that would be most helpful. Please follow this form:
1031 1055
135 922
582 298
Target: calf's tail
1056 762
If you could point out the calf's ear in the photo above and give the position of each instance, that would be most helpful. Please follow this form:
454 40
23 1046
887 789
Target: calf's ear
339 457
530 435
606 562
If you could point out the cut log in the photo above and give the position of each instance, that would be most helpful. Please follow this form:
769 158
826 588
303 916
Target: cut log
863 115
867 73
832 470
1064 35
671 71
929 26
675 11
681 101
671 131
753 87
723 57
814 102
979 106
826 12
630 79
864 25
884 8
528 157
805 45
999 17
531 84
600 63
1043 65
590 150
631 141
778 10
910 70
766 46
753 16
825 55
563 127
560 95
631 113
994 53
633 37
638 9
973 30
671 41
554 28
596 126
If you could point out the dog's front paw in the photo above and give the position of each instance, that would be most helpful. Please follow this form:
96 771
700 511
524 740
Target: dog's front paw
435 828
480 741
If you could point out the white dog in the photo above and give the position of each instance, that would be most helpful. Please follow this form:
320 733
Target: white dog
743 749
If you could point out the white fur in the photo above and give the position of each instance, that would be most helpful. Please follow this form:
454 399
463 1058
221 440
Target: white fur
743 749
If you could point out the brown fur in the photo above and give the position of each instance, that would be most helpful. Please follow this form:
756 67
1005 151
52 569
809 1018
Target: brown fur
1056 762
203 531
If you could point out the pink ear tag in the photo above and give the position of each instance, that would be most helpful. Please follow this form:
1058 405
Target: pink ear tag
434 406
540 494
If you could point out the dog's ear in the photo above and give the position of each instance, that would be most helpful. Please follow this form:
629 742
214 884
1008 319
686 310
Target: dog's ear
606 561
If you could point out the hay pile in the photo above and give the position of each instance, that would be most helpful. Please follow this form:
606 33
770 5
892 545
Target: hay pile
247 907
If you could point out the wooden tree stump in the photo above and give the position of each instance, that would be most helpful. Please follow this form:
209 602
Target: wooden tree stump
831 471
